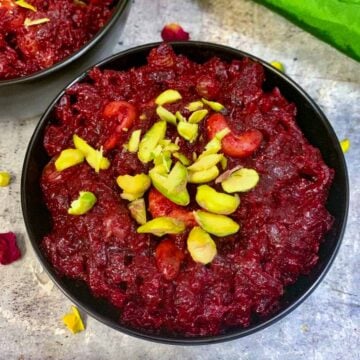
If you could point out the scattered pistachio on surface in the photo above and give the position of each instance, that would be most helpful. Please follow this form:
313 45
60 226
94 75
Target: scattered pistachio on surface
188 131
204 176
161 226
137 210
241 181
84 203
213 105
197 116
134 141
166 115
73 321
69 158
4 178
167 97
345 145
136 184
201 246
195 105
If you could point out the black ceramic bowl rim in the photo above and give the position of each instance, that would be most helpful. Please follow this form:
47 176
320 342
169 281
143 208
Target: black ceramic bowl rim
241 332
118 11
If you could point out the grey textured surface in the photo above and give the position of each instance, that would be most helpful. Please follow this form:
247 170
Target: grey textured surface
325 326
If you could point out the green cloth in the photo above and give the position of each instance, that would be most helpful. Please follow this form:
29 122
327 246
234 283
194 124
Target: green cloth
334 21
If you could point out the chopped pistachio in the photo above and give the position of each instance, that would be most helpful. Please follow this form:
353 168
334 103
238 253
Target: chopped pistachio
224 163
188 131
222 133
29 22
167 97
201 246
161 226
195 105
197 116
205 162
173 185
213 105
136 184
218 225
137 210
4 178
180 117
194 156
69 158
84 203
166 115
183 159
201 177
93 157
241 180
278 65
73 321
150 140
134 141
25 5
345 145
216 202
163 159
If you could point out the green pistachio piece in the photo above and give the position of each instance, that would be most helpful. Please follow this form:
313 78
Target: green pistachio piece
183 159
166 115
69 158
201 246
137 210
180 117
241 180
93 157
213 105
222 133
216 202
201 177
5 178
161 226
195 105
173 185
188 131
134 141
171 147
278 65
164 159
134 184
218 225
167 97
83 203
150 141
224 163
197 116
205 162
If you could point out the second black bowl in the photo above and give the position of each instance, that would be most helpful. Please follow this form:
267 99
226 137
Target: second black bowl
311 120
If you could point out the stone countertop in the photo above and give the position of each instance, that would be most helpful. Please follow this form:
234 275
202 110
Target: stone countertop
325 326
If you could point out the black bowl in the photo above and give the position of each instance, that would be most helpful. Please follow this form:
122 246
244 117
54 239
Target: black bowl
16 95
312 122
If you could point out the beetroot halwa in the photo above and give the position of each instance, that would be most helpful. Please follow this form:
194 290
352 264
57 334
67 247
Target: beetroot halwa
153 280
36 34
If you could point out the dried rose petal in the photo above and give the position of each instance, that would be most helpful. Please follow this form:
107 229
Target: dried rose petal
174 32
9 251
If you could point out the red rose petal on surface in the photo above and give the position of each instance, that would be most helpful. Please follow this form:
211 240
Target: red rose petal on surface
174 32
9 251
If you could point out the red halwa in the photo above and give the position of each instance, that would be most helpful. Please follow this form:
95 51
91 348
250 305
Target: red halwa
160 289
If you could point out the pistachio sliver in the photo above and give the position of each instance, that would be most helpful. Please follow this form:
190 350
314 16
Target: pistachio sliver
183 159
195 105
161 226
150 140
30 22
216 202
218 225
134 141
167 97
131 196
83 203
201 246
201 177
69 158
213 105
134 184
241 181
25 5
197 116
205 162
137 210
188 131
166 115
5 178
180 117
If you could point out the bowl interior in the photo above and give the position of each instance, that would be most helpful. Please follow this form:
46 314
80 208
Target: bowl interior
310 119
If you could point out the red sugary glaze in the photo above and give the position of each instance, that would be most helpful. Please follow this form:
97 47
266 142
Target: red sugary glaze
26 50
283 220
